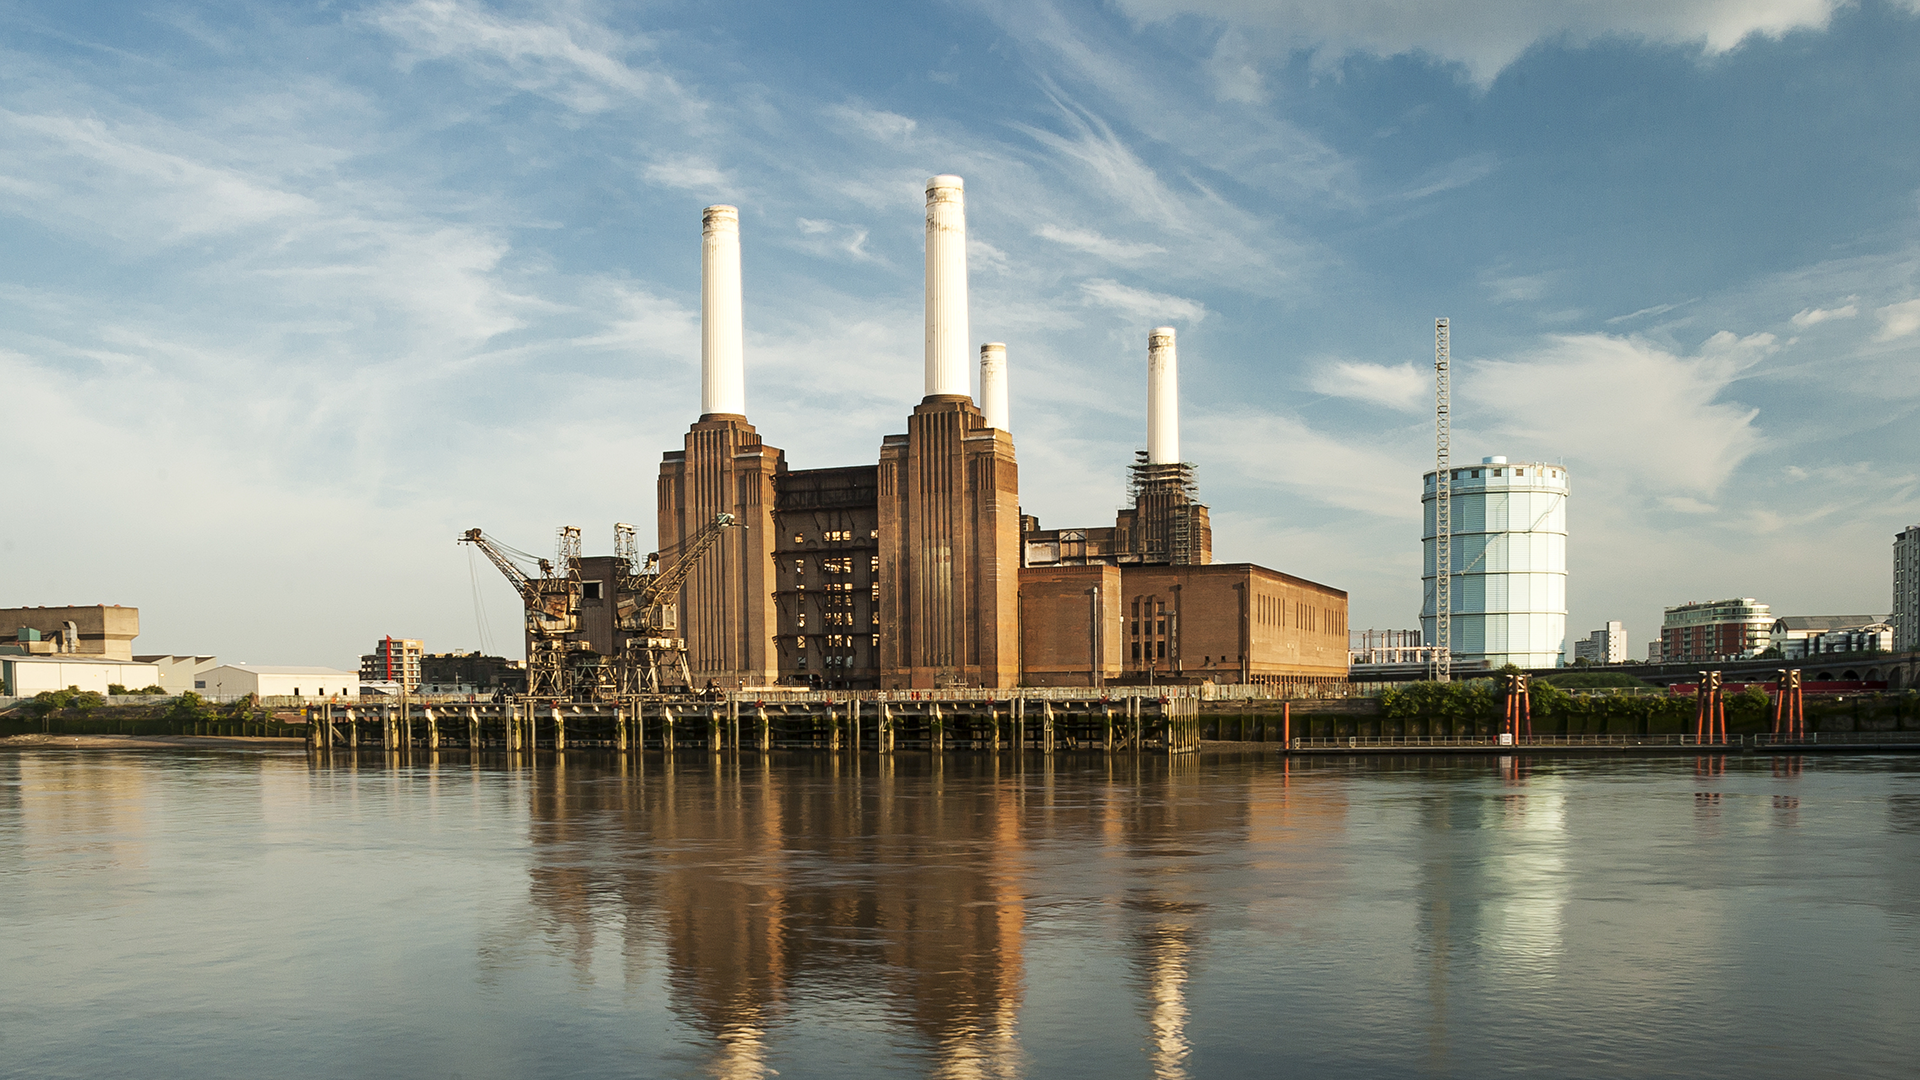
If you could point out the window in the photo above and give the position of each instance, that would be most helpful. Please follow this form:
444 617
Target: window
876 637
875 565
803 622
800 566
1162 628
590 590
1476 474
1496 472
800 642
1162 650
1136 650
799 538
874 535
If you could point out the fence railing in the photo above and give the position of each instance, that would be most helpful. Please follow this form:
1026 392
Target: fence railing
1848 738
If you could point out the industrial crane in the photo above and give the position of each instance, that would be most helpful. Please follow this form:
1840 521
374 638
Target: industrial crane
552 603
647 612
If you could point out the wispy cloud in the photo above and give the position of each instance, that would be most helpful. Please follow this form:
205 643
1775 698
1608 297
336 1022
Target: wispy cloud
1142 305
1647 312
1815 316
1483 36
1402 386
1899 320
575 61
688 174
1094 243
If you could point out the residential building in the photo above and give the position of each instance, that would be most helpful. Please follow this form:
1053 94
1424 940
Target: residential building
1906 589
1735 629
1607 645
394 660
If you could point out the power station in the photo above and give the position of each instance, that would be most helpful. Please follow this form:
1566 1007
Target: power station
919 570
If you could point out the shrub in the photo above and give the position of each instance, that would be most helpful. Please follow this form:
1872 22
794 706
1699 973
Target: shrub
190 708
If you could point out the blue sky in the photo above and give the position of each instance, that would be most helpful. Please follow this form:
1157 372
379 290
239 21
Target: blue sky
295 293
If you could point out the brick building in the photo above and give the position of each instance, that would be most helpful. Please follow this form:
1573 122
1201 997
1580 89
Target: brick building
1715 630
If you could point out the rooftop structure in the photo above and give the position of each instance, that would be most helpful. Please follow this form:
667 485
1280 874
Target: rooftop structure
104 630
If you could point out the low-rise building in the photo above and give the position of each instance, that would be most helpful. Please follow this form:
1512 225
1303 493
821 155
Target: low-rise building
178 674
231 682
1715 630
25 676
471 673
1607 645
1791 633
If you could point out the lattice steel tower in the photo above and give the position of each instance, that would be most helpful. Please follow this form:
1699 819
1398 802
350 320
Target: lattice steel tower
1442 507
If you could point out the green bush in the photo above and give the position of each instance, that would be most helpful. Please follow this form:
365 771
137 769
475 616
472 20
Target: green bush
47 702
190 708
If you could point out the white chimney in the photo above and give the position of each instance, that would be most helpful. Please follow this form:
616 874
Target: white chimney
1163 398
993 384
948 341
723 353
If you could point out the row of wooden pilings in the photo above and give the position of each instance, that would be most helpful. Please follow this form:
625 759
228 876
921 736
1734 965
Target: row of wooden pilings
1131 725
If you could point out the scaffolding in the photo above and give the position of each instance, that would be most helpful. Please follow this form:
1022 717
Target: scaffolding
1165 499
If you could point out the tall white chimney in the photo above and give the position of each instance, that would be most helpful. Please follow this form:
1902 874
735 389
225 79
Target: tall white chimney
723 352
948 341
1163 398
993 384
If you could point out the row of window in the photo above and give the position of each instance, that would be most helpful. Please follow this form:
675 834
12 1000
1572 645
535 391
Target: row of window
836 536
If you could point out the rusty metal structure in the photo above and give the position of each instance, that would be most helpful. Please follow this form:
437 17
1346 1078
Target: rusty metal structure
563 663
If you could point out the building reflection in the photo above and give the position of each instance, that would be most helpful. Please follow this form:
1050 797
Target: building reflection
893 888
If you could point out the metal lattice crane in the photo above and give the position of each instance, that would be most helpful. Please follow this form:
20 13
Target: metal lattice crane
646 609
552 602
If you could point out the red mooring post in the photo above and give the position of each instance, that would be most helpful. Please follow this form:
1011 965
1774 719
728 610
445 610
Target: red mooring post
1710 715
1789 715
1286 724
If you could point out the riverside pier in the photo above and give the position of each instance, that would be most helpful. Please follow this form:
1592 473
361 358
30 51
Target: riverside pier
879 721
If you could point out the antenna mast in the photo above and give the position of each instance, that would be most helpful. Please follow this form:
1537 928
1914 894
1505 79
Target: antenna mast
1442 507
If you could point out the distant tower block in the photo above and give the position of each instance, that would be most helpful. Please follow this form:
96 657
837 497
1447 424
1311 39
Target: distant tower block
993 384
726 607
1167 523
949 502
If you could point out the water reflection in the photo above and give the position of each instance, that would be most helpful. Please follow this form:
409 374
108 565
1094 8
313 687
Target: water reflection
896 886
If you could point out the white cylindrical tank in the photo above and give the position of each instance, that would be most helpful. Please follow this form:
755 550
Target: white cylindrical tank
948 341
1163 397
723 351
1509 581
993 384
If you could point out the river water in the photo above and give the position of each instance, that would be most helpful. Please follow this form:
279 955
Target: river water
234 914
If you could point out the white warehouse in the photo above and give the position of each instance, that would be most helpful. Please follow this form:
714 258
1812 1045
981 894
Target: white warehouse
1509 583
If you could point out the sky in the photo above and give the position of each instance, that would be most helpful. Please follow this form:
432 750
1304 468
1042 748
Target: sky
295 293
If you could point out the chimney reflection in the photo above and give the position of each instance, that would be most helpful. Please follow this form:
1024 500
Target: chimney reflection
768 887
